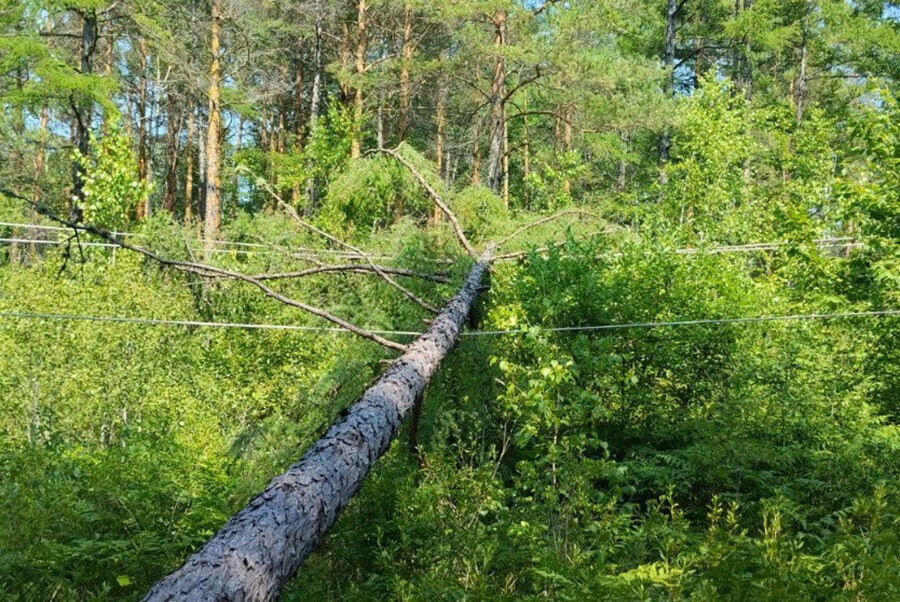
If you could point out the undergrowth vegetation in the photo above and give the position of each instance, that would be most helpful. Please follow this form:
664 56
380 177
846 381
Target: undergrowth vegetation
609 435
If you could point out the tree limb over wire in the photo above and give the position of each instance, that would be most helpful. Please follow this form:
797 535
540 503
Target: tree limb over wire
208 270
355 269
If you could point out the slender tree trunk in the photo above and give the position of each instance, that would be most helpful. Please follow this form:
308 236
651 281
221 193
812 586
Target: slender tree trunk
18 127
83 110
379 122
211 214
804 60
39 157
699 58
261 547
316 92
173 131
201 165
526 154
236 182
107 67
748 63
142 123
281 131
273 146
361 36
404 70
567 141
665 141
38 174
505 163
263 128
497 116
344 54
314 98
298 120
189 170
439 144
476 158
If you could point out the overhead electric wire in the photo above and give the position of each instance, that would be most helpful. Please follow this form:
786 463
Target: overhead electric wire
267 248
160 322
471 333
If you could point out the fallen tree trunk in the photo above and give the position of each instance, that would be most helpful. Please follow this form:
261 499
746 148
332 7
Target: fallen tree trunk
262 546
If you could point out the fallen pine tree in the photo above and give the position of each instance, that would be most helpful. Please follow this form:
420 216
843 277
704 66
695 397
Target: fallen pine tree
263 545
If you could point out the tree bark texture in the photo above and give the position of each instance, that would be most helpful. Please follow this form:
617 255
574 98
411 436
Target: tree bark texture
361 39
498 108
83 108
261 547
211 209
665 141
404 71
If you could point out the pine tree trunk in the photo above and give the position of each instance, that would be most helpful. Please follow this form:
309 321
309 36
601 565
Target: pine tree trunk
748 64
526 153
361 24
84 111
665 141
404 71
567 141
189 171
236 182
263 545
142 123
497 101
211 210
298 121
476 158
439 144
804 60
314 98
175 120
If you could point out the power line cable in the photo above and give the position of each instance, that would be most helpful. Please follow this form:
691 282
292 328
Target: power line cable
888 312
267 247
156 322
472 333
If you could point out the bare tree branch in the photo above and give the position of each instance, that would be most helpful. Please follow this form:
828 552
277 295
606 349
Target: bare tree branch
293 213
543 221
434 196
356 269
208 270
523 254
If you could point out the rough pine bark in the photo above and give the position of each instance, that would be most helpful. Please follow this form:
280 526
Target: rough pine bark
261 547
361 39
211 208
665 141
83 109
404 71
189 170
498 108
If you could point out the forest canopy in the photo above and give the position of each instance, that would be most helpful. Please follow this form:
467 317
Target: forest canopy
679 376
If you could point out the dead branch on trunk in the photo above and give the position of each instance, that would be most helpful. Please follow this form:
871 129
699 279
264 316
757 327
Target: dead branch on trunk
557 245
211 271
355 269
543 221
293 213
434 197
261 547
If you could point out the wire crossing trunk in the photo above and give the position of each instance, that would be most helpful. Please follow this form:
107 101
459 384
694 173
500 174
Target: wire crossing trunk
261 547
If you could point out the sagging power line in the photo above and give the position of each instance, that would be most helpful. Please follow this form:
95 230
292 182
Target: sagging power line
471 333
